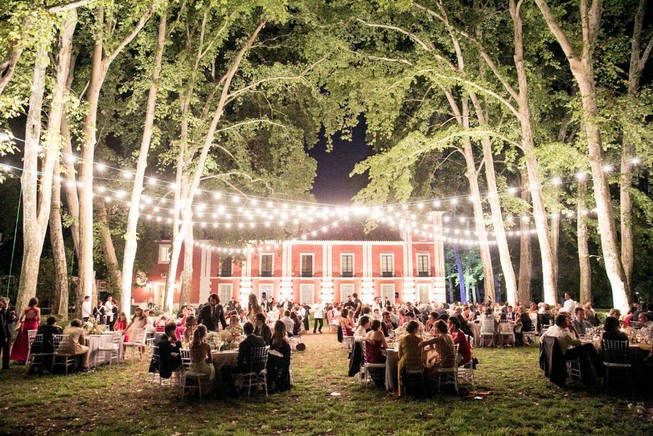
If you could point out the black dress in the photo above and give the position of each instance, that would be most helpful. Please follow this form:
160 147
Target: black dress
279 367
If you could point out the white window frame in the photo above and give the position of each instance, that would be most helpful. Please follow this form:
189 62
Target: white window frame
391 297
222 286
303 286
428 263
165 251
268 288
353 264
392 263
343 293
221 261
301 262
421 286
260 264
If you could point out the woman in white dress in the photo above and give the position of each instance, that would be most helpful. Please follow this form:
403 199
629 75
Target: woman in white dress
200 357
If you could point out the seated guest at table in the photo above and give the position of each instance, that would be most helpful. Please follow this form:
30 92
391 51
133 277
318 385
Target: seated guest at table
279 359
346 323
523 323
47 330
464 326
262 329
120 325
442 354
182 316
161 323
459 337
580 323
191 326
201 361
645 322
488 323
410 352
505 330
234 326
615 313
590 314
169 351
430 322
288 321
572 348
387 325
611 330
77 342
362 328
545 318
297 323
374 344
245 350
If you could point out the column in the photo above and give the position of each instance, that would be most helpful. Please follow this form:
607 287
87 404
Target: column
246 279
438 291
409 282
285 290
205 274
326 291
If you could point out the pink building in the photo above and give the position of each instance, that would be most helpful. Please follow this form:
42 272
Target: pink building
403 268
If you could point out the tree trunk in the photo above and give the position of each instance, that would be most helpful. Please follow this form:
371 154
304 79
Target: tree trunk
525 252
583 249
528 146
109 250
184 226
581 68
461 274
187 273
555 241
12 60
60 306
33 230
70 188
495 208
131 242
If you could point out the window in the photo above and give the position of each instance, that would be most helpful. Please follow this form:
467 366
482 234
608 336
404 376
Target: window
306 265
164 253
388 291
347 265
225 292
424 293
423 265
225 267
306 293
387 265
346 289
266 265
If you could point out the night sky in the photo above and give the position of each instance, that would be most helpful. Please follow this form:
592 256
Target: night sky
333 184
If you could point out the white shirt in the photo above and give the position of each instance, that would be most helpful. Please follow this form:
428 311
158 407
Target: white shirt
569 306
290 324
108 310
87 309
565 338
318 311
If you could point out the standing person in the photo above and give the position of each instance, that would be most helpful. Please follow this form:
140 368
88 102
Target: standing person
29 320
358 306
98 313
6 331
253 308
304 314
137 327
212 314
108 311
120 325
87 308
569 304
318 317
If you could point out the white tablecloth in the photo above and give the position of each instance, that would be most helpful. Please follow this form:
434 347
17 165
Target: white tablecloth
222 358
391 365
94 343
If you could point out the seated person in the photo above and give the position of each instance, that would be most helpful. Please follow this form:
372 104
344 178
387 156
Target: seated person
169 351
459 337
262 329
387 325
77 343
50 328
572 348
245 353
161 323
297 322
362 328
432 319
189 331
442 354
346 323
505 331
579 322
545 318
234 326
611 330
279 359
374 345
288 321
201 361
410 352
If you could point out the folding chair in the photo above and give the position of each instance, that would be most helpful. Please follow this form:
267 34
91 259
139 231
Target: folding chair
615 357
366 366
257 374
62 358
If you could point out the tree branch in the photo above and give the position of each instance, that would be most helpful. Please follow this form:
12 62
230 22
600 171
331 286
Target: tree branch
557 31
428 47
68 6
141 23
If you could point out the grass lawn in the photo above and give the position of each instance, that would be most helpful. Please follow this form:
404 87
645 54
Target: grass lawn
119 400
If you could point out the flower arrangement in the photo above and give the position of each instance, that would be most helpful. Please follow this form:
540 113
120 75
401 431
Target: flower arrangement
229 339
214 340
92 327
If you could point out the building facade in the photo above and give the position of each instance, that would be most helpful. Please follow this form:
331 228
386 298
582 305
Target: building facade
308 271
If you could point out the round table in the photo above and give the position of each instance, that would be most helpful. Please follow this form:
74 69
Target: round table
223 358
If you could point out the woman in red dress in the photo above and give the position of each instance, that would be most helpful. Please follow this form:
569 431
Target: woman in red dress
29 320
121 325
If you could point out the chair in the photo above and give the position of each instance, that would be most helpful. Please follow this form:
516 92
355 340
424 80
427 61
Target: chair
450 374
573 369
111 346
137 342
257 374
31 334
615 357
506 334
487 339
365 367
62 358
348 342
412 380
36 358
185 358
198 379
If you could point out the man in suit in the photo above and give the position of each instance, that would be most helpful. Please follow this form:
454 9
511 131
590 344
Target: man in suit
212 313
77 343
245 364
6 331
